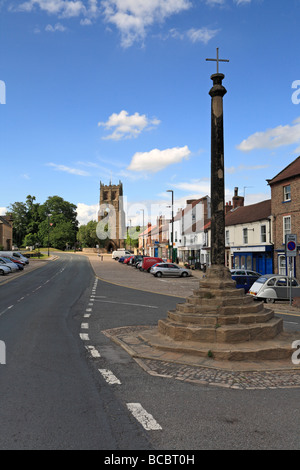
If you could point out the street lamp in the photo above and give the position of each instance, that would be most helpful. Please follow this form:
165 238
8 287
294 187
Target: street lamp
172 236
129 234
143 233
48 215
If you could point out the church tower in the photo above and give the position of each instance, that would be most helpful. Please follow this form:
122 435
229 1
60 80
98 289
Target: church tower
112 213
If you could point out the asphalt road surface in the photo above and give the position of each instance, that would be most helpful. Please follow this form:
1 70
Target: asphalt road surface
66 385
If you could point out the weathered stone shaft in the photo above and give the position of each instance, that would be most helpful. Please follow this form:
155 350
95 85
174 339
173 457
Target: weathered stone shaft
217 172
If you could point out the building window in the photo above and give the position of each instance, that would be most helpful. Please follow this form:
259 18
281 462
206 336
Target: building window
263 234
281 265
245 235
287 193
227 241
176 237
287 226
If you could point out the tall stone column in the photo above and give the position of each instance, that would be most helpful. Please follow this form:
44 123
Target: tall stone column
217 172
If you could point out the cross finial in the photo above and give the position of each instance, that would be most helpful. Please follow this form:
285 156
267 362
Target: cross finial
218 60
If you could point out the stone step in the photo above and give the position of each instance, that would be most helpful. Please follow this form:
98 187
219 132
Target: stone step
272 350
218 319
218 293
239 308
218 301
236 333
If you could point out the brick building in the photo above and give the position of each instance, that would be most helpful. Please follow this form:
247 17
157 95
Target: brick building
6 232
285 197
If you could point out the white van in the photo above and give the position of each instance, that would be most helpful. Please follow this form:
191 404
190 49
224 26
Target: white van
119 253
14 254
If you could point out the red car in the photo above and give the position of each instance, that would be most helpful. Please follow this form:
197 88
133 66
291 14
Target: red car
127 259
149 261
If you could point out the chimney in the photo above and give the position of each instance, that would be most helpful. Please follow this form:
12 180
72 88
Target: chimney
228 207
237 201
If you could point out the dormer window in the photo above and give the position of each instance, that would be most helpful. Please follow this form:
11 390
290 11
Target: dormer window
287 193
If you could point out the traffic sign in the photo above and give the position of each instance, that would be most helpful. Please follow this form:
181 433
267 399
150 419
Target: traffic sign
291 245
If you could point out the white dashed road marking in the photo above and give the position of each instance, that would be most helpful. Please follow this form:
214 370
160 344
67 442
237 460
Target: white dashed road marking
146 419
84 336
93 351
110 378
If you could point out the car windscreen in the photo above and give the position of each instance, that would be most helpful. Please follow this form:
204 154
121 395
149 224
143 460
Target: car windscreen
261 280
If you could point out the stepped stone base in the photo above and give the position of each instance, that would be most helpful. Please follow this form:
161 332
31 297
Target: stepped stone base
221 322
271 350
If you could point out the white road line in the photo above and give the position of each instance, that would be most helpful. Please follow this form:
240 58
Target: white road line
84 326
86 315
146 419
110 378
93 351
126 303
84 336
88 309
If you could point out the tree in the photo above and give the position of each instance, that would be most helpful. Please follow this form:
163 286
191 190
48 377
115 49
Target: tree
60 223
18 211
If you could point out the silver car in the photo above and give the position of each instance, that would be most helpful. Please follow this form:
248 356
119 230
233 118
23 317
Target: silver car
6 262
272 287
4 269
169 269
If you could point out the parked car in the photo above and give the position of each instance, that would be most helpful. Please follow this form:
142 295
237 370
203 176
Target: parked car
126 260
4 270
120 253
169 269
122 258
18 262
244 278
148 261
272 287
14 254
136 259
5 261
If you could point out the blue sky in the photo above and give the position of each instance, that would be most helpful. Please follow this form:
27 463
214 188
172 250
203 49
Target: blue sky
118 89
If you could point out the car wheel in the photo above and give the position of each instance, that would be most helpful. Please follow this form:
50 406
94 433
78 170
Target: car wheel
116 259
141 269
270 301
159 274
2 272
184 274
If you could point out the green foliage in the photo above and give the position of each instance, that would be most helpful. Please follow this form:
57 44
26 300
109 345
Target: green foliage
53 223
87 236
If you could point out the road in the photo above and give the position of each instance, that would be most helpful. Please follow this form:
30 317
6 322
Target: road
66 385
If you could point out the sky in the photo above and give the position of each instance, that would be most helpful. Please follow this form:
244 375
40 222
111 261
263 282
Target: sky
117 90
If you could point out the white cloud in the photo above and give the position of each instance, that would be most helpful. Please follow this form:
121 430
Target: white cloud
67 169
196 186
62 8
242 2
133 17
157 160
86 213
126 127
234 169
203 35
272 138
3 210
57 27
